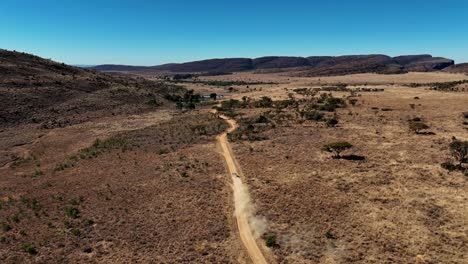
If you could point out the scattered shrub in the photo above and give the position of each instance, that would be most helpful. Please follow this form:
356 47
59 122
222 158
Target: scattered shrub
28 248
153 102
330 235
332 122
5 226
72 212
271 241
450 166
15 218
417 126
163 151
312 115
75 231
101 146
459 150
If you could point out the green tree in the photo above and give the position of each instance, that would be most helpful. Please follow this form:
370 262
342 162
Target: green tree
336 148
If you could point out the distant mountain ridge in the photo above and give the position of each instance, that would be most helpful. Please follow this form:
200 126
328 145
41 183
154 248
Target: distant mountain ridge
314 65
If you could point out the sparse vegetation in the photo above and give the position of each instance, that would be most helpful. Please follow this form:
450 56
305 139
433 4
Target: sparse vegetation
101 146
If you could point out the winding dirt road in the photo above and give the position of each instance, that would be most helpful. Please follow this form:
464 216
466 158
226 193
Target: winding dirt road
240 199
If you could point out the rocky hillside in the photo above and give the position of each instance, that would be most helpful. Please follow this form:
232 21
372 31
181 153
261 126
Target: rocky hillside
309 66
457 68
34 90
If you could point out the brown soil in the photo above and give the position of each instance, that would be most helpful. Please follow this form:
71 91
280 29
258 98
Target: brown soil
163 198
396 206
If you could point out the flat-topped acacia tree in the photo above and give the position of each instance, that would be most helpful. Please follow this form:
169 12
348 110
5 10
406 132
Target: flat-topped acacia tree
336 148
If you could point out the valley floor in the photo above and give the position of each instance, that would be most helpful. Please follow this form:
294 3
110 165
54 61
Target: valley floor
154 188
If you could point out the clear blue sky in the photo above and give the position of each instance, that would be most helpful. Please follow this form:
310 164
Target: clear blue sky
153 32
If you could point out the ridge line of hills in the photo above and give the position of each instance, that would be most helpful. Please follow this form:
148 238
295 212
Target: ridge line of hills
314 65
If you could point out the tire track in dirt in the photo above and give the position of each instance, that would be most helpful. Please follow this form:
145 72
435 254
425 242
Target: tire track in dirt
240 198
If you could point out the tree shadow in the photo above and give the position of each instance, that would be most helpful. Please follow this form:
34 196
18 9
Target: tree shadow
426 133
353 157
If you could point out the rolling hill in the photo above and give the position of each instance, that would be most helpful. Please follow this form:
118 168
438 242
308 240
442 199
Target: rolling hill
39 91
308 66
457 68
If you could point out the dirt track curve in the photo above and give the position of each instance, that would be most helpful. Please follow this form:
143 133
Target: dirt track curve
242 216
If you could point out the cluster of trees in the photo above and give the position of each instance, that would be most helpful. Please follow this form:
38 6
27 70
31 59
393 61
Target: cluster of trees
187 100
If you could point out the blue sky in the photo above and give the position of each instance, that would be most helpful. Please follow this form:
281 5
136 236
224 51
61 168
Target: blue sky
154 32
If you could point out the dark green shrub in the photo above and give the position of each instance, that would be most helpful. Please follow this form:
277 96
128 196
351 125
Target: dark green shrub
5 226
15 218
450 166
271 241
330 235
312 115
72 212
28 248
327 107
264 101
163 151
153 102
332 122
75 231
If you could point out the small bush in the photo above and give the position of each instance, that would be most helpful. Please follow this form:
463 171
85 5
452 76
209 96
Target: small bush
313 115
72 212
271 241
459 150
353 101
417 126
450 166
330 235
28 248
76 232
5 226
15 218
153 102
332 122
163 151
88 222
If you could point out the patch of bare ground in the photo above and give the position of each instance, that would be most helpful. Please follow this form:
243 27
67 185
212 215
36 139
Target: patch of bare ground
396 206
151 195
